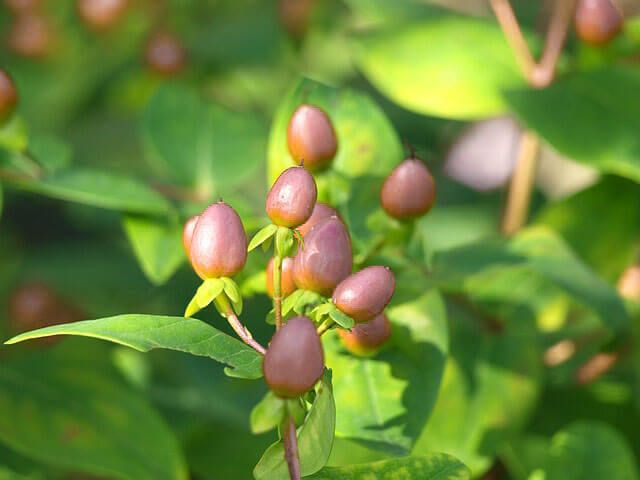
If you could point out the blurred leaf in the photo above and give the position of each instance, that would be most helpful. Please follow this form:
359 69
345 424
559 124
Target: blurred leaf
13 134
367 142
385 400
99 189
147 332
436 466
50 152
589 117
439 66
267 414
315 439
67 414
199 143
589 451
157 246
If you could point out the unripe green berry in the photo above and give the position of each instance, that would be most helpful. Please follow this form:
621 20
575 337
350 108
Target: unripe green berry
101 14
294 361
366 293
219 243
288 285
8 96
311 138
292 197
321 211
187 233
597 21
367 338
325 259
409 191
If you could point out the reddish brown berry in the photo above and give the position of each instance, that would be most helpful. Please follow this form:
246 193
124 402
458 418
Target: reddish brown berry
365 294
367 338
629 283
292 197
8 96
187 233
219 243
325 259
31 36
101 14
311 138
294 361
597 21
288 285
22 6
165 54
409 191
294 15
321 211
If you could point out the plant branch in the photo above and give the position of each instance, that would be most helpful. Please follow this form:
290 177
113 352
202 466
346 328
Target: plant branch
242 331
277 288
290 441
511 28
519 196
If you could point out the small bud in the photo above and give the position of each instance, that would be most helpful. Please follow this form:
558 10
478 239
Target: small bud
8 96
187 233
311 138
325 259
365 294
31 36
165 54
292 197
597 21
219 243
101 14
367 338
321 211
294 361
288 285
409 191
629 283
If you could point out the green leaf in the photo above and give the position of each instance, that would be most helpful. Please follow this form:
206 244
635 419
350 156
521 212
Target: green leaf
208 291
367 142
267 414
262 236
436 466
285 242
315 439
99 189
422 67
291 301
345 321
50 152
13 135
70 416
233 292
385 400
148 332
589 117
157 246
588 450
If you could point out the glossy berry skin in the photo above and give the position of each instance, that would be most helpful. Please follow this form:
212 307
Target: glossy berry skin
311 138
30 35
321 212
165 54
294 361
629 283
101 14
187 233
292 197
597 21
367 338
8 96
366 293
219 243
288 285
409 191
325 259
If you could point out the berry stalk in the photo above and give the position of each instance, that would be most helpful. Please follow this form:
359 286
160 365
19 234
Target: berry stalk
291 447
242 331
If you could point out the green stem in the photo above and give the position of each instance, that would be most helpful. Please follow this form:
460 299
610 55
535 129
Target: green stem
243 332
325 326
277 288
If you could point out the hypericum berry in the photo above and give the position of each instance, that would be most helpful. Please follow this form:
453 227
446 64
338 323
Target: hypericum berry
367 338
187 233
101 14
21 6
597 21
165 54
294 16
409 191
30 35
365 294
294 361
219 243
288 285
321 211
292 197
325 259
629 283
311 137
8 96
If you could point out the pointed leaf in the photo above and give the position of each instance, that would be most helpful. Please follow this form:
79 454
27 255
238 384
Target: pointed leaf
208 291
342 319
262 236
267 414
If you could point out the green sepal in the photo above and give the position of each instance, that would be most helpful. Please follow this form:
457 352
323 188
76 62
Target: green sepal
267 414
342 319
289 302
206 293
262 236
232 291
322 311
296 409
285 242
